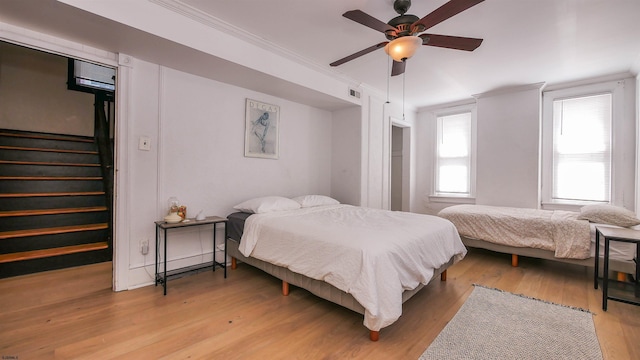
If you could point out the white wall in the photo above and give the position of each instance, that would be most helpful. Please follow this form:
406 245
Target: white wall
345 162
196 127
508 146
373 153
140 168
424 143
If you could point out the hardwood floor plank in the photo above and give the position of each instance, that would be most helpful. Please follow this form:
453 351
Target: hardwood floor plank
73 314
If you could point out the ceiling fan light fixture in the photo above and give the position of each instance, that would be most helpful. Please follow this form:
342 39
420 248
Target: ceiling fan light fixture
403 47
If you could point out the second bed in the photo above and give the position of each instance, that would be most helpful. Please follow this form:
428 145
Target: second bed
566 236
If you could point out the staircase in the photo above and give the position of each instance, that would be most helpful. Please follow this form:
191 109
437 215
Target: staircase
54 210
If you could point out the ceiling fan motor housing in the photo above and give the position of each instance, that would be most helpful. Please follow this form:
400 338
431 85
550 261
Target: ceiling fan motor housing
402 25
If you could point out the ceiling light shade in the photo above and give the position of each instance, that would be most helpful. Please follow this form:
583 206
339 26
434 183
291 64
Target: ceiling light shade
403 47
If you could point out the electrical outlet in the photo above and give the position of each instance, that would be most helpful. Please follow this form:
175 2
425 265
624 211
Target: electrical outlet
144 247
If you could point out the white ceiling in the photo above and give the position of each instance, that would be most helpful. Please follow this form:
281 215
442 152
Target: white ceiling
525 41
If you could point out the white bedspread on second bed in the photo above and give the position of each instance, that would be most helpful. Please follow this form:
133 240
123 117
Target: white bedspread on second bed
374 255
553 230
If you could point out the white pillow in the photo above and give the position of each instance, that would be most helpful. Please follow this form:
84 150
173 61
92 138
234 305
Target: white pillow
267 204
608 214
315 200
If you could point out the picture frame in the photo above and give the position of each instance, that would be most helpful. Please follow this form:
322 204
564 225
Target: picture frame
262 123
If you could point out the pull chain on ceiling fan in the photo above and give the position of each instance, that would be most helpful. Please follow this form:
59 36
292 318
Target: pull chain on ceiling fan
403 32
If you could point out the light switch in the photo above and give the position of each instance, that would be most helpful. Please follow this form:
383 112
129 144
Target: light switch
144 143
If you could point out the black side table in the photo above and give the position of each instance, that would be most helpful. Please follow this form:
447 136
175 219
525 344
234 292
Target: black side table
163 227
615 234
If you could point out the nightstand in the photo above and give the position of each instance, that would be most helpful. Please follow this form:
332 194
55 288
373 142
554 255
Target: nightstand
162 227
615 234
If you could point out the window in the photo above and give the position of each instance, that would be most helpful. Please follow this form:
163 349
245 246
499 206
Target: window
582 162
582 148
453 150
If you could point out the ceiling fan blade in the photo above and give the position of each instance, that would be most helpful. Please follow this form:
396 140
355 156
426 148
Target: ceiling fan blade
451 42
359 53
444 12
398 67
368 20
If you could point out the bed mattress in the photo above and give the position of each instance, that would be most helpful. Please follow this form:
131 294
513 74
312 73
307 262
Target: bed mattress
235 225
373 255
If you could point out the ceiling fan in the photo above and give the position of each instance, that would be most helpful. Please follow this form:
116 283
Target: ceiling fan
403 32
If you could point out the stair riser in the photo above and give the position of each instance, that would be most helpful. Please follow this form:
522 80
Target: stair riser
46 202
28 243
46 156
46 144
47 221
53 263
49 170
47 186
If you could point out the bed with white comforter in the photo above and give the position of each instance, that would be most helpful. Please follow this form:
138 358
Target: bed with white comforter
374 255
553 230
567 236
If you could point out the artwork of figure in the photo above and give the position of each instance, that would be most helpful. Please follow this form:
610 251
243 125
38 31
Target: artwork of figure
260 129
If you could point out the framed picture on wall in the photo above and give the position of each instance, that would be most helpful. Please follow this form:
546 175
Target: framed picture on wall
261 130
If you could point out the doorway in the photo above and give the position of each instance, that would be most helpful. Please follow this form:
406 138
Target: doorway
400 166
57 161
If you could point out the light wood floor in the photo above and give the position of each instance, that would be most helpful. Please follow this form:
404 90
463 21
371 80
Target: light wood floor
74 314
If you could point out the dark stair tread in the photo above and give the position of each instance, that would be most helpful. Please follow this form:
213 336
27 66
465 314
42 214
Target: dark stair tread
15 162
52 194
54 178
48 137
52 231
52 211
4 147
44 253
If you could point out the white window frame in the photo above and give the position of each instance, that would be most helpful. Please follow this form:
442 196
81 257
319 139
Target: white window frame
616 89
455 197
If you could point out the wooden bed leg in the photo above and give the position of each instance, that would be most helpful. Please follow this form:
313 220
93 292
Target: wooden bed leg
374 335
285 288
443 276
622 276
234 263
514 260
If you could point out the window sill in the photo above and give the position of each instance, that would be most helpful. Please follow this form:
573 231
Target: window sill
567 205
452 199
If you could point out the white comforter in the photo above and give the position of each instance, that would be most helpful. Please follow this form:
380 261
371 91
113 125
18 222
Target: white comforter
554 230
374 255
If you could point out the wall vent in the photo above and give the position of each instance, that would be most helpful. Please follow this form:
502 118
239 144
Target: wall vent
354 93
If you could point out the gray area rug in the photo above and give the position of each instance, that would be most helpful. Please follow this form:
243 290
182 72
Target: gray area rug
493 324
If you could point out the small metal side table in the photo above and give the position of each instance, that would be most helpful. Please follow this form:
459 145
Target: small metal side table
163 227
615 234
